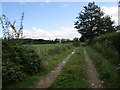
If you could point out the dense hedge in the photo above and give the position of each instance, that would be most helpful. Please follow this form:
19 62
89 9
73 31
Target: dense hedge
112 39
109 46
18 61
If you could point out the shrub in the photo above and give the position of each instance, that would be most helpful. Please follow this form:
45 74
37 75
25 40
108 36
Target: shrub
108 45
76 44
18 61
12 72
111 39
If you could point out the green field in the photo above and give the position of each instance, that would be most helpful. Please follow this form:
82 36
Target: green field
45 50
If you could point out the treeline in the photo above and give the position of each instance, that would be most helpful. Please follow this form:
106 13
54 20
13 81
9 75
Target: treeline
42 41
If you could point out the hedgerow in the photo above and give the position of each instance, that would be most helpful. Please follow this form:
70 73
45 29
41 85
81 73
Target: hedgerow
108 45
18 61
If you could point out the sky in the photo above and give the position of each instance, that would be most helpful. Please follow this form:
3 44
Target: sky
50 20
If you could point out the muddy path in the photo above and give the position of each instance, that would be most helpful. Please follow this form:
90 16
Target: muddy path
93 77
48 79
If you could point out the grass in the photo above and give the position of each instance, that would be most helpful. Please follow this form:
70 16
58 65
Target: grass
74 73
47 50
48 64
47 46
107 70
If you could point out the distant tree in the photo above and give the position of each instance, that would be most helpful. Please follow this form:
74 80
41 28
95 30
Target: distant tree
63 40
68 40
118 28
76 41
57 40
9 29
91 22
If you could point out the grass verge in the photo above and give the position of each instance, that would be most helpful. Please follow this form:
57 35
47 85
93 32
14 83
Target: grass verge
74 73
48 65
107 70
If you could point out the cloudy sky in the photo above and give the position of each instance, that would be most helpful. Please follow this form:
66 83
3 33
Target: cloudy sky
50 20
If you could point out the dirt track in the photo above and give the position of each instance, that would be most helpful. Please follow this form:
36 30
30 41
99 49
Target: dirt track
48 79
93 77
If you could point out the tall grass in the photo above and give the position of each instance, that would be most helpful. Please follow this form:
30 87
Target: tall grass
47 50
108 71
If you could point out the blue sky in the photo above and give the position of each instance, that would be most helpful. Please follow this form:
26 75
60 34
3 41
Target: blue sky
49 20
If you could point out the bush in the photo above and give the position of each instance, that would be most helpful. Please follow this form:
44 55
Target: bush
111 39
76 44
18 61
12 72
108 45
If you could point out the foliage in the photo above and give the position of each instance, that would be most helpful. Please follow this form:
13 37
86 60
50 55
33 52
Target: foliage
9 29
18 61
92 22
76 42
112 40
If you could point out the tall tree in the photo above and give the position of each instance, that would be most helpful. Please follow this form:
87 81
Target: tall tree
91 21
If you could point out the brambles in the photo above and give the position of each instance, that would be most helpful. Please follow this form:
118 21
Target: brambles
18 61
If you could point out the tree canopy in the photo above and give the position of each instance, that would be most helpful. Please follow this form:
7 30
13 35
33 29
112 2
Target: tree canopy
92 21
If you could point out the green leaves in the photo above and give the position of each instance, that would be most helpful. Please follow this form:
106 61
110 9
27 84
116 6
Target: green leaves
91 22
18 61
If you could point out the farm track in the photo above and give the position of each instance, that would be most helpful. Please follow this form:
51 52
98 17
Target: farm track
93 76
48 79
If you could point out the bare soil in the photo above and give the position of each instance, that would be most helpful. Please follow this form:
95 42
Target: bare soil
48 79
93 76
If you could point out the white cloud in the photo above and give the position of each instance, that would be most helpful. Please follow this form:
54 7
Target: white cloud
113 12
64 32
63 6
42 4
47 1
